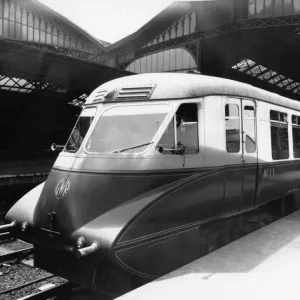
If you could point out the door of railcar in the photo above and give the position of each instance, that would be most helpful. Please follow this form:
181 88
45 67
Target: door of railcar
249 154
241 156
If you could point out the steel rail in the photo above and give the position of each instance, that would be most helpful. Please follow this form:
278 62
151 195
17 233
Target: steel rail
16 254
59 290
25 285
4 236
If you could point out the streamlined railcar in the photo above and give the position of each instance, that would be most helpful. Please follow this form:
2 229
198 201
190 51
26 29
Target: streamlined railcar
150 161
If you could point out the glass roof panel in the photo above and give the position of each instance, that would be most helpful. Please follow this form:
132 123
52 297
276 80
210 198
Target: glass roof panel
277 78
254 71
262 68
83 96
280 84
79 101
14 89
244 65
22 85
294 84
22 82
28 86
285 82
250 62
265 74
9 83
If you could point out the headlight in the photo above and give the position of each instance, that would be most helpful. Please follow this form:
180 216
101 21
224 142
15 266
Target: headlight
80 242
24 226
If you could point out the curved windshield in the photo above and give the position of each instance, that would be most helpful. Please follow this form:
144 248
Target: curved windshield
82 126
127 128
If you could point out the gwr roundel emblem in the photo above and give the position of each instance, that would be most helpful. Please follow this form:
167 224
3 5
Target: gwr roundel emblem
62 188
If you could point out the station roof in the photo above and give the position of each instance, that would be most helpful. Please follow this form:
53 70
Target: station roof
39 66
209 14
52 14
160 22
254 60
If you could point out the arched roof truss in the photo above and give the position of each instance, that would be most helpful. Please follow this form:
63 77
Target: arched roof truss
183 26
30 23
190 41
21 85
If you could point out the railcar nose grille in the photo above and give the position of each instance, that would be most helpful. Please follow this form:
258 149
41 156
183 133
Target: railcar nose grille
100 95
140 92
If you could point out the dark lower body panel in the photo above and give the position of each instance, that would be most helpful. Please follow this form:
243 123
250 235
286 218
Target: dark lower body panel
157 256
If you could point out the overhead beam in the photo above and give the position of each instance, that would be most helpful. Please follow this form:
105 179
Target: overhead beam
43 66
240 25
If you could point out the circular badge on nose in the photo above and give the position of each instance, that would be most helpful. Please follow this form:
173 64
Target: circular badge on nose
62 188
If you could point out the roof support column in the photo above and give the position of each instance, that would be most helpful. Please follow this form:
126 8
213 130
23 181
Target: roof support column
199 56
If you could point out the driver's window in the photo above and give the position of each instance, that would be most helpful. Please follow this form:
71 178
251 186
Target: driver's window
186 134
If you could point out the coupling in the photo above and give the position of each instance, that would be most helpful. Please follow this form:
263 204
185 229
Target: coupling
8 227
86 251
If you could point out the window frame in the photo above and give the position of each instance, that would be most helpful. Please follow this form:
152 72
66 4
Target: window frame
199 104
237 102
125 104
293 125
83 144
282 123
254 118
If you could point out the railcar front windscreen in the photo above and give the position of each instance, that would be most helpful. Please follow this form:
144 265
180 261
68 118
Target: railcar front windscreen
127 128
81 128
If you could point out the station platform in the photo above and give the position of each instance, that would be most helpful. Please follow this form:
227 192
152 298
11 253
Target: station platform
37 165
24 171
262 265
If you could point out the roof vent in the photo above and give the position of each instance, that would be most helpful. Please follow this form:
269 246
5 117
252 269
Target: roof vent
137 92
100 95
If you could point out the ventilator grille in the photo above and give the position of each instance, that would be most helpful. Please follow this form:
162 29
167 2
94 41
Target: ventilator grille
138 92
100 95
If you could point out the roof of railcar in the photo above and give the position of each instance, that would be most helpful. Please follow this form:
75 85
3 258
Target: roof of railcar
179 86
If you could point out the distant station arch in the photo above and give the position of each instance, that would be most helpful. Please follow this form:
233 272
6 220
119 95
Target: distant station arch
171 60
34 24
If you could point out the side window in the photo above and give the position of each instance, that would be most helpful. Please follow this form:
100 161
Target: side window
249 128
167 141
185 133
296 135
232 127
279 135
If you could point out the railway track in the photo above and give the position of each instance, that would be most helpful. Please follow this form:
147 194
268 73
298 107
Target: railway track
8 291
19 254
13 249
25 287
61 290
4 236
